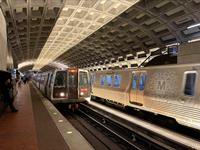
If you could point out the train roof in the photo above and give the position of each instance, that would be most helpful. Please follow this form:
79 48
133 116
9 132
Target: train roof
153 67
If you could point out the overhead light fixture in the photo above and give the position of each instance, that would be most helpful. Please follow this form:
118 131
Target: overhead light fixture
26 63
79 10
154 49
65 8
173 44
71 29
194 25
103 1
194 40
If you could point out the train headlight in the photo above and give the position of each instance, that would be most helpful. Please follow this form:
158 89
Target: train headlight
62 94
82 93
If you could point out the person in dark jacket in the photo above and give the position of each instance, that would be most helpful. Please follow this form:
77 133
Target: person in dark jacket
7 96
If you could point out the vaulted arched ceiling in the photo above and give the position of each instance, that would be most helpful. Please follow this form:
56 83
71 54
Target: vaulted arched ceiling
145 25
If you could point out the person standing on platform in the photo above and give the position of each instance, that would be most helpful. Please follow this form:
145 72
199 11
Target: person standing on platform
7 96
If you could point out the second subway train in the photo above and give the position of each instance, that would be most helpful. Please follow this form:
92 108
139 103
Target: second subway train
70 86
170 90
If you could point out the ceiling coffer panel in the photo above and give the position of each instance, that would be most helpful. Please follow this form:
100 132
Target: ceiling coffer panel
29 23
147 24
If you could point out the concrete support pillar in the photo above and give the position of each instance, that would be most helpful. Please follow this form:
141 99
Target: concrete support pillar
3 43
189 53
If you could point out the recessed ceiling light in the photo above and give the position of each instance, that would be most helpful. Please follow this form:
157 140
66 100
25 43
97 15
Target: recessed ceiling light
194 25
117 5
104 16
65 8
103 1
194 40
79 10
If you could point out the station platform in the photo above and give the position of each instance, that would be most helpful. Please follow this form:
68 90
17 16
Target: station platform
34 127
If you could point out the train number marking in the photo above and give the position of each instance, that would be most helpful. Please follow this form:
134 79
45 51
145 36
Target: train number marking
161 85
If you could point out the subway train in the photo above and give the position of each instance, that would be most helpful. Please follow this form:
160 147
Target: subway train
70 86
170 90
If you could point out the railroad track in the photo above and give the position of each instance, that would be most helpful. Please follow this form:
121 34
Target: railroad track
98 138
132 136
159 120
104 130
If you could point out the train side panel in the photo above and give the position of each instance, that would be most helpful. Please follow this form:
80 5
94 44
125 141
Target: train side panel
112 85
174 92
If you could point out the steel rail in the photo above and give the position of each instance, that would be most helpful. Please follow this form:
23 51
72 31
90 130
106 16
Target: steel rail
153 140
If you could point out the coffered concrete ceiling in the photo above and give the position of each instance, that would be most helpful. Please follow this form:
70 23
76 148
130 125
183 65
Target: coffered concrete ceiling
29 23
145 25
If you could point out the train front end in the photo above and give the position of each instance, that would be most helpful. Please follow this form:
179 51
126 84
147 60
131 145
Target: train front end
71 86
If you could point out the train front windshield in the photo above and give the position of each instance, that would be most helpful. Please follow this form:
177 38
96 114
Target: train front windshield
60 79
60 85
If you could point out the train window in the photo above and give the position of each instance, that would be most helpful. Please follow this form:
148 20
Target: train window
134 82
190 79
72 81
47 79
117 81
83 79
60 78
102 80
109 80
142 81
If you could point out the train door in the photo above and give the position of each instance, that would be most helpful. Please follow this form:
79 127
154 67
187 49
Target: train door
137 88
40 78
133 89
84 84
141 86
73 83
60 85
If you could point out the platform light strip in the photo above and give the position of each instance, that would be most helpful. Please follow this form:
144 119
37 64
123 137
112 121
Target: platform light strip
76 22
32 62
193 26
194 40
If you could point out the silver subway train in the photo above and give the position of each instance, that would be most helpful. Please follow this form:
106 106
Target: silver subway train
64 86
171 90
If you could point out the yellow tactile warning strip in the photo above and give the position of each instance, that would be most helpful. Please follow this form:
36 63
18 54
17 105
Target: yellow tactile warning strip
72 137
17 130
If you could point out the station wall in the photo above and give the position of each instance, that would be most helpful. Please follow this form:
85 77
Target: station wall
3 43
189 53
